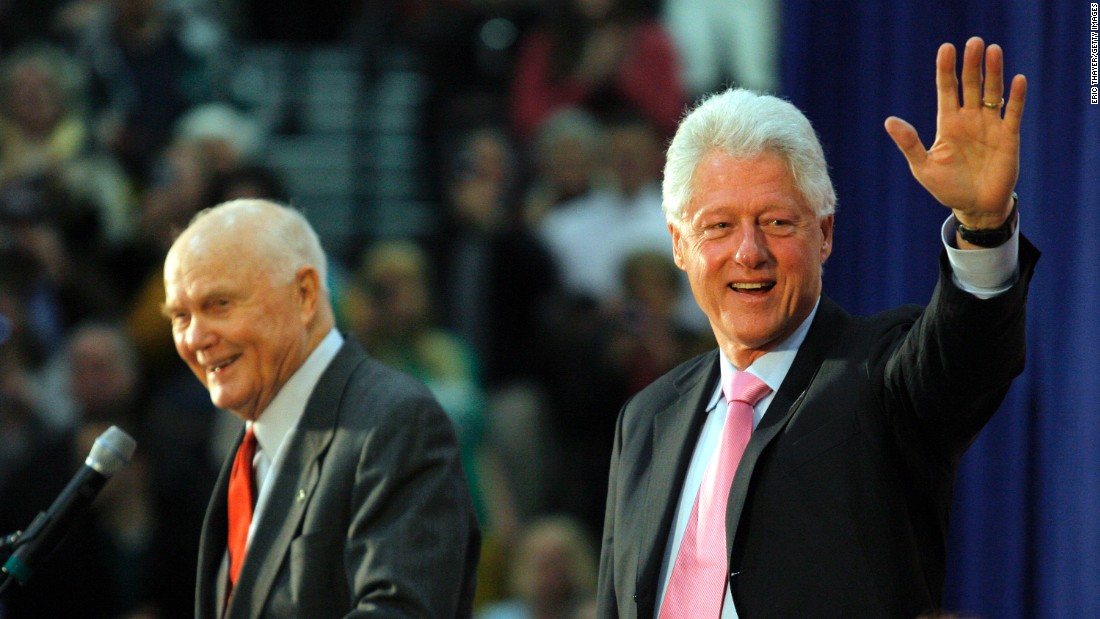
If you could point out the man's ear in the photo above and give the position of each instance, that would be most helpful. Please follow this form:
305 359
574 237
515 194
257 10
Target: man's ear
677 249
308 288
826 237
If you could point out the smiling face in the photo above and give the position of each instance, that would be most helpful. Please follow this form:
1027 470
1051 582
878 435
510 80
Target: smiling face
752 249
242 331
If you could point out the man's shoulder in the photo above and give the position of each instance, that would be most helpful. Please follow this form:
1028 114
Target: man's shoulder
377 375
674 384
889 318
361 397
837 321
359 377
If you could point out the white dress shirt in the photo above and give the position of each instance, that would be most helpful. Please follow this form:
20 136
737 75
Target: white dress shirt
280 418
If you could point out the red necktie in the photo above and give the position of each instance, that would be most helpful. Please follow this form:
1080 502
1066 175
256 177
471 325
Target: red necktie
242 495
698 582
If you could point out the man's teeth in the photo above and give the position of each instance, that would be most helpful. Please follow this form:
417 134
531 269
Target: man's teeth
221 365
750 286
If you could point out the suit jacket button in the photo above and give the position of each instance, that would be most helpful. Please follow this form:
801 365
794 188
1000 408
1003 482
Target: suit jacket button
635 598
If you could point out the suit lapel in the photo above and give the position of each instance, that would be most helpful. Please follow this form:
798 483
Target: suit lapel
294 486
806 364
675 431
213 541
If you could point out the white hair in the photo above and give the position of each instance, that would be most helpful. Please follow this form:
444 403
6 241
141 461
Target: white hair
744 124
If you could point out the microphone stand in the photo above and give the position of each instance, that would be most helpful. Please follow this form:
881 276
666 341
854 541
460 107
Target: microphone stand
10 541
8 544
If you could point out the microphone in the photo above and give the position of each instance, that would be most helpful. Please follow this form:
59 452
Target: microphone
112 451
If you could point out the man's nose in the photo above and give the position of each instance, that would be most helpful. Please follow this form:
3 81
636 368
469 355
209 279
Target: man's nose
752 250
198 334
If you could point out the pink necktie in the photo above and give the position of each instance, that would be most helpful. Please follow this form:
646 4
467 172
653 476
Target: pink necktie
698 582
242 495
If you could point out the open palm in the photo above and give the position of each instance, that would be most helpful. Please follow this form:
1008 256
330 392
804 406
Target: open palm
974 160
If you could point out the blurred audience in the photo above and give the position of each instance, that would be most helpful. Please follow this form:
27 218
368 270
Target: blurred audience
226 137
41 125
149 62
22 428
546 298
494 274
590 235
608 56
722 43
21 22
96 375
496 280
55 256
567 149
649 337
553 572
44 135
247 180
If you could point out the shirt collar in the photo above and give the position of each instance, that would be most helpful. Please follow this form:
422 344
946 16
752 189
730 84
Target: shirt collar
287 407
772 366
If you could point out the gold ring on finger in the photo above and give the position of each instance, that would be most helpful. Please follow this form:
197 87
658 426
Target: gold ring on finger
993 105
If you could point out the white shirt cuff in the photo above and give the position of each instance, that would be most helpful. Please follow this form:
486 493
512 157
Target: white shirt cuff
983 273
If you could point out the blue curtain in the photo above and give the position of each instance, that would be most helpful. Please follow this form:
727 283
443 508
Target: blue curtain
1025 538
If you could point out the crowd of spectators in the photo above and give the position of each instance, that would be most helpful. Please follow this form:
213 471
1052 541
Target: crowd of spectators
542 298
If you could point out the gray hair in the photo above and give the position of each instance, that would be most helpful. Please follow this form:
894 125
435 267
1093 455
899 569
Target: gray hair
744 123
285 236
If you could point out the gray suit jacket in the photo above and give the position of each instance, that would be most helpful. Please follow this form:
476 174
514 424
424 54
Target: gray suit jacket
839 507
370 514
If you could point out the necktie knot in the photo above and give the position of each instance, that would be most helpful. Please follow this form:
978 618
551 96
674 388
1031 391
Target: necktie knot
745 387
248 448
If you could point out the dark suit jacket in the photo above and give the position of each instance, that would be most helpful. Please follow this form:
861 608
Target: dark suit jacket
370 514
839 507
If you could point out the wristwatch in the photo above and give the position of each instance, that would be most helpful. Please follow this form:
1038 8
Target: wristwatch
991 237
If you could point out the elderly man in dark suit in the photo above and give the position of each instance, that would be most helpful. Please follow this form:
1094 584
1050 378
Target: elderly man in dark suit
805 467
346 496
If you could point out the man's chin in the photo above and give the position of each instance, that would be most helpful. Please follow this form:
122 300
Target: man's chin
755 339
222 400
